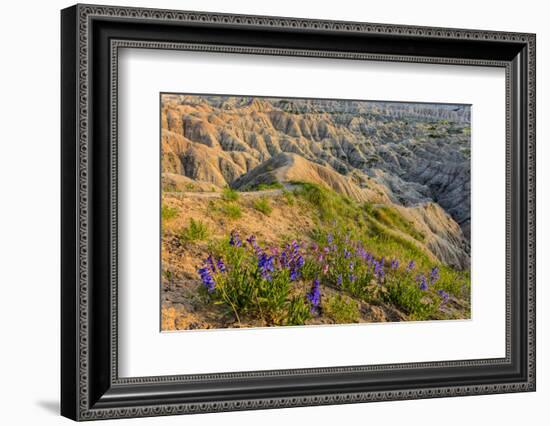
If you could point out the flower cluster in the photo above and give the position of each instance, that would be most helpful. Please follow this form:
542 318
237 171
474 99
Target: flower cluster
208 270
292 259
336 261
314 295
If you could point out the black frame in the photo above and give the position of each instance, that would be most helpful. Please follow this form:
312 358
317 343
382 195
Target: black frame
91 37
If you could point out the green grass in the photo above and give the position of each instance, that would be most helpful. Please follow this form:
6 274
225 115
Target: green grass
341 309
168 212
228 209
289 197
263 205
229 194
330 206
196 231
403 291
232 211
266 186
298 311
392 218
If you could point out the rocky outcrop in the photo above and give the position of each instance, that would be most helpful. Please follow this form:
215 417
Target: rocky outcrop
288 168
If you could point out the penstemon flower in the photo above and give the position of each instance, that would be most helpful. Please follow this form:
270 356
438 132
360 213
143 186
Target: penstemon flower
234 240
314 296
207 279
220 265
444 296
266 266
434 275
379 269
423 284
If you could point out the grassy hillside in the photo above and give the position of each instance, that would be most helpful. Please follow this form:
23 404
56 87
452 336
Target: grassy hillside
298 254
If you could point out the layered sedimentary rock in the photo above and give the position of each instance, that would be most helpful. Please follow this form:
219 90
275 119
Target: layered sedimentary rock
415 156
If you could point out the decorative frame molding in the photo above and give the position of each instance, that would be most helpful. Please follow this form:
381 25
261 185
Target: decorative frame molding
91 388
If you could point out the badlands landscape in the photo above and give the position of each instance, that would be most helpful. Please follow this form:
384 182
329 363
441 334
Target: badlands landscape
283 211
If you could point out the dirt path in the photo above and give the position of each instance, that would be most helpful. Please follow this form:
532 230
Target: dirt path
244 194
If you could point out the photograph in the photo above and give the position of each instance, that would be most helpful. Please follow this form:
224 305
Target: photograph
283 211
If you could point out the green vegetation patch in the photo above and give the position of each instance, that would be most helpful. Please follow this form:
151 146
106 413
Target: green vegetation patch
196 231
392 218
229 194
263 205
341 309
267 186
168 212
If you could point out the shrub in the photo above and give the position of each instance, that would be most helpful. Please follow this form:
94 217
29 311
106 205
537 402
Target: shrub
341 309
196 231
231 210
168 212
229 194
263 205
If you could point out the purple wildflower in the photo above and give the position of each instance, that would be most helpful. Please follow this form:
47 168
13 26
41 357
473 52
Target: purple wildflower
347 253
221 265
292 259
266 266
369 258
314 296
351 266
444 295
330 238
209 263
423 284
379 269
234 240
394 264
252 241
434 275
351 278
411 265
207 279
339 280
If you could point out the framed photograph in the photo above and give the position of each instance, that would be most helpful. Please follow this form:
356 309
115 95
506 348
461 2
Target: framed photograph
263 212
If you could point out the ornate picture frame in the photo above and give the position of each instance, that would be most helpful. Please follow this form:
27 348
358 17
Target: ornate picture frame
91 37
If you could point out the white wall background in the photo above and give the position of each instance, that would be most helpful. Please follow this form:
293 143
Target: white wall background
29 211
